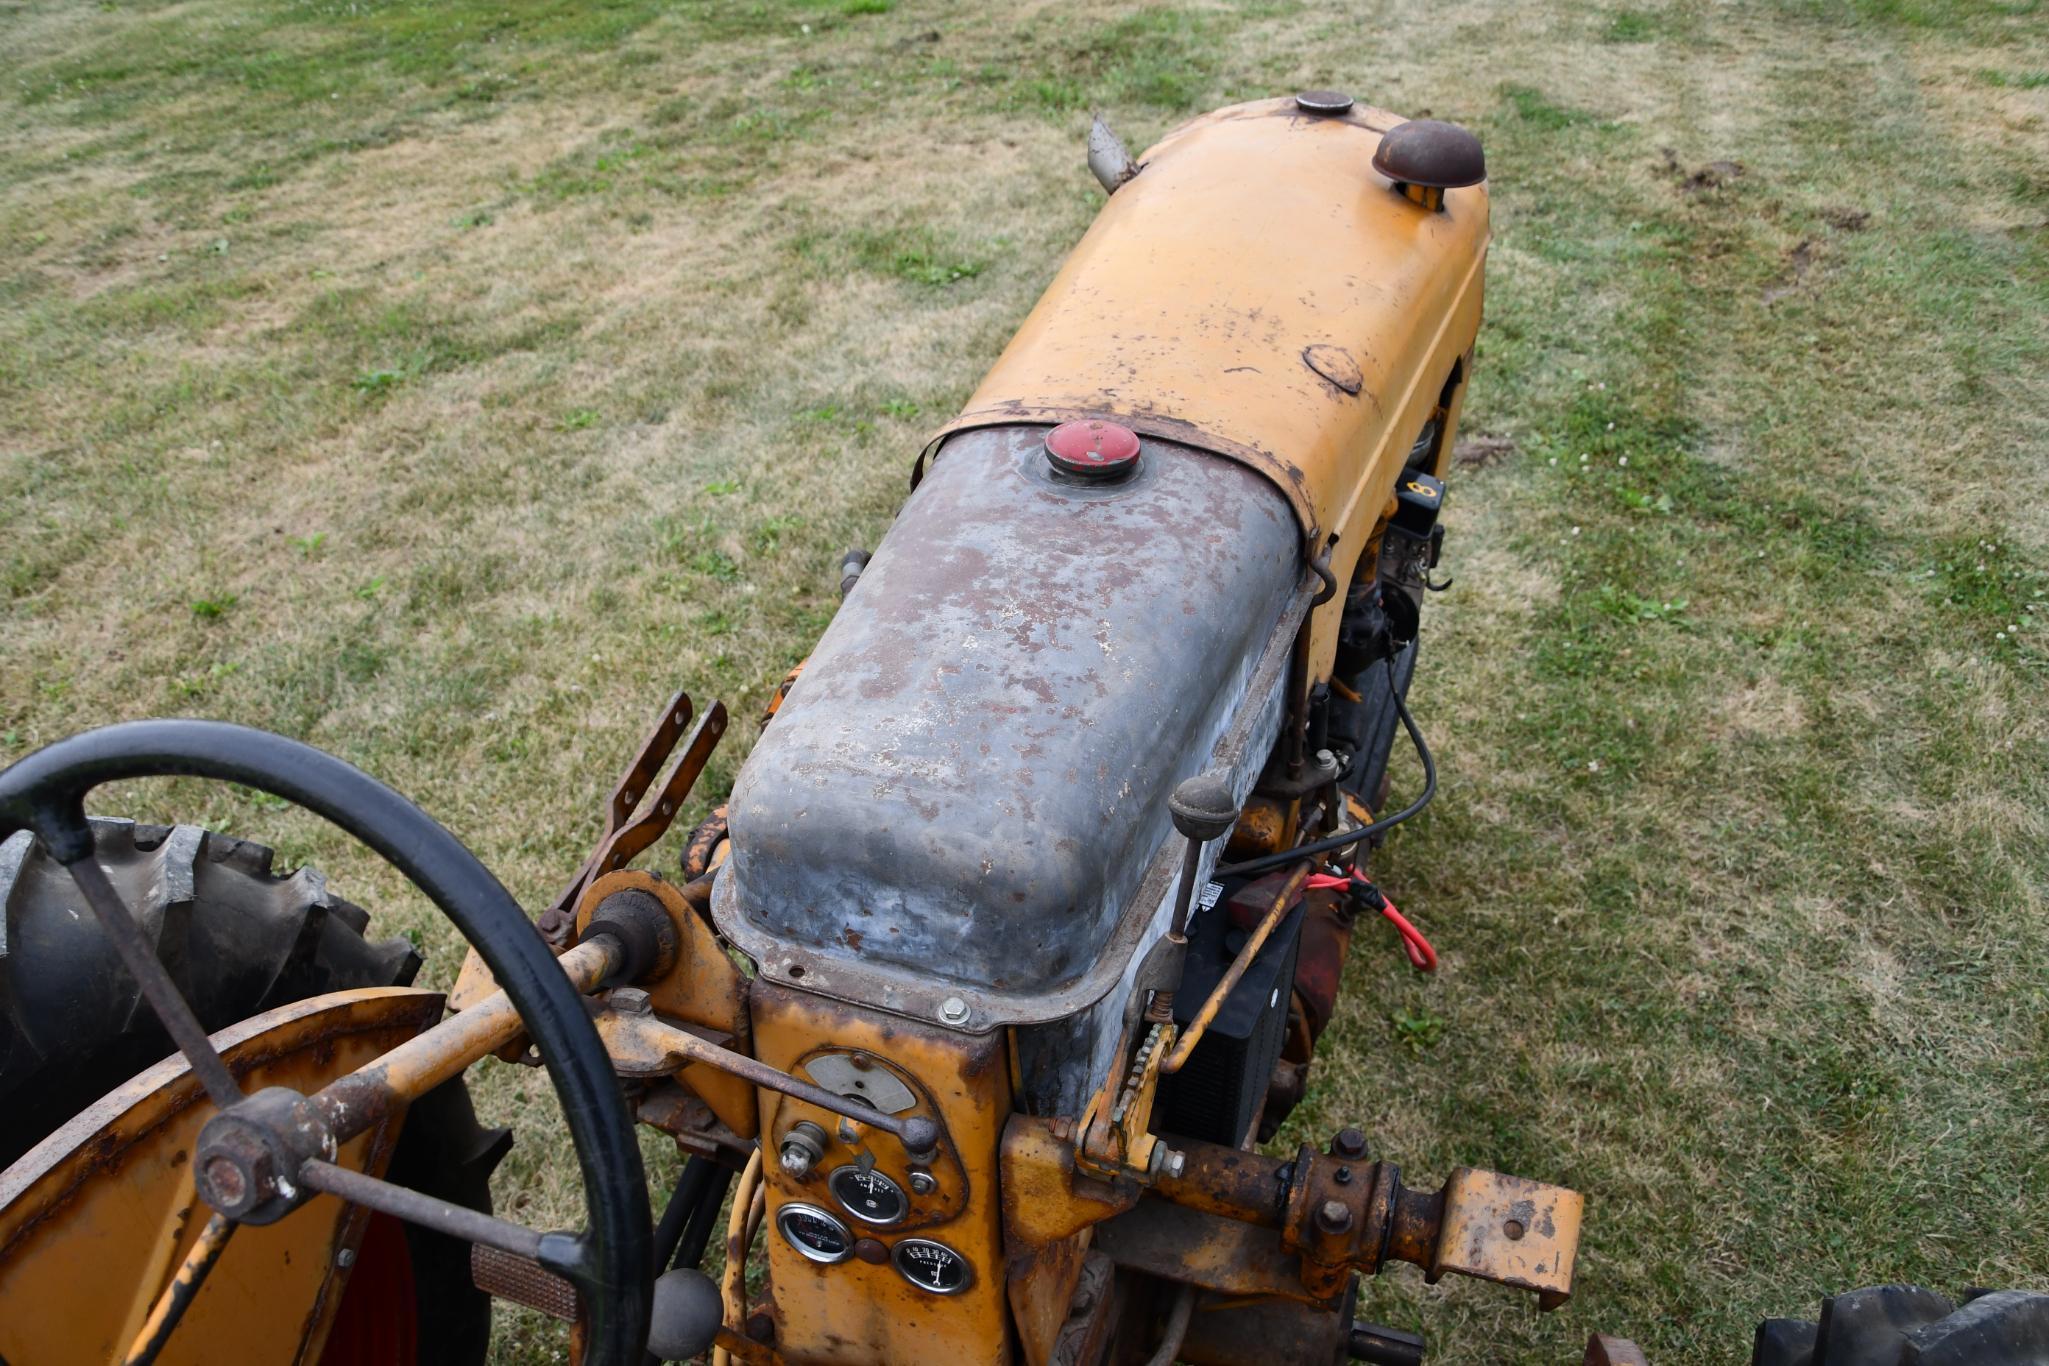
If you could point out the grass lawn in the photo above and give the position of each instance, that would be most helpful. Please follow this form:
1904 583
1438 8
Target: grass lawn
443 383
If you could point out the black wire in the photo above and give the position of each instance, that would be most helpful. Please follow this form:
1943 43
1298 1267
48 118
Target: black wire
697 1234
1330 843
689 1193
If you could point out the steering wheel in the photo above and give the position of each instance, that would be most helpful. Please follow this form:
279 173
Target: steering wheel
610 1262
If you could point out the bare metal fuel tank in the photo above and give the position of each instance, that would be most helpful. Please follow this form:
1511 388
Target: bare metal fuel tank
964 791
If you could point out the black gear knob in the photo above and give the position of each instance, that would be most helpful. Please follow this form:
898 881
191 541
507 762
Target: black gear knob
1203 807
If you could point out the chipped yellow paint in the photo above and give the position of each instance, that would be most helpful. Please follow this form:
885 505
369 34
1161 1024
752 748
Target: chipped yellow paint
1235 293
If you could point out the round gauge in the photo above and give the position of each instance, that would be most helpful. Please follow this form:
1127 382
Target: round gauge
933 1266
815 1233
869 1196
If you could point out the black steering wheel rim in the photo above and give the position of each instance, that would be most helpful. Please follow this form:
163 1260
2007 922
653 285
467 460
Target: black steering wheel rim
611 1262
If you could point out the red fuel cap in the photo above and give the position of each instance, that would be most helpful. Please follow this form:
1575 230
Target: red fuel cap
1093 449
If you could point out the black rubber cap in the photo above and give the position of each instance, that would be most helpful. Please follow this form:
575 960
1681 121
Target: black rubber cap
1431 153
688 1313
1203 807
644 931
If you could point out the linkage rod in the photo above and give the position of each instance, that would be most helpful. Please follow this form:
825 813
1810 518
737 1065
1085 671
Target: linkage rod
457 1221
1199 1026
179 1294
917 1133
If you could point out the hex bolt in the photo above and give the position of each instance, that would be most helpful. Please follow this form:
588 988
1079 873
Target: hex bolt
631 1001
226 1182
953 1011
1168 1162
1349 1144
1335 1216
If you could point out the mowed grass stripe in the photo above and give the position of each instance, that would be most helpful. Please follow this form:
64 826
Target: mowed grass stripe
444 384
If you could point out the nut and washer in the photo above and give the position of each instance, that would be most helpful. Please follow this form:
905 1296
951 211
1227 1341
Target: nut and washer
802 1149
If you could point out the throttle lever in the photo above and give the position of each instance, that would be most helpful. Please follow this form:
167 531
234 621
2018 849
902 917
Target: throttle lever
625 837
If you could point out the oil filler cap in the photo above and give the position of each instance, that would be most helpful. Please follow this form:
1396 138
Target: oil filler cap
1092 449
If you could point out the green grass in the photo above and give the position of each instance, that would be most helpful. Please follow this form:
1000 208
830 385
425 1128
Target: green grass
444 384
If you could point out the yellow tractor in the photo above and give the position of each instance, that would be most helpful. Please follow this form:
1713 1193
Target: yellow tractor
975 1001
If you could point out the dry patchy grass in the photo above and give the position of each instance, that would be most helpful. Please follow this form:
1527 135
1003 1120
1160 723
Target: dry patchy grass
444 384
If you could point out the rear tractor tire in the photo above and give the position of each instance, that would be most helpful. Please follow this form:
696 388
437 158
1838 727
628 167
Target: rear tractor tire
239 940
1905 1325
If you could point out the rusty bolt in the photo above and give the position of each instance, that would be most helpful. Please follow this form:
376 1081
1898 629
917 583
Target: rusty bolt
1343 1176
1349 1144
1335 1216
871 1250
226 1183
631 1001
1514 1229
239 1171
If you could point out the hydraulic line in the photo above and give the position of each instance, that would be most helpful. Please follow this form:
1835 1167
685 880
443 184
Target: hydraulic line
1344 838
750 1203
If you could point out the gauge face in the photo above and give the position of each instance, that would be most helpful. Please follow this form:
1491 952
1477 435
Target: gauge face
815 1233
869 1196
933 1266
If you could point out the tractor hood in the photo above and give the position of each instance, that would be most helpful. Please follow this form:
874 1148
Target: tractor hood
970 777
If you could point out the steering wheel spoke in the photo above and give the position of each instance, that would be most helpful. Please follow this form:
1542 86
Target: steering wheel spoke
139 957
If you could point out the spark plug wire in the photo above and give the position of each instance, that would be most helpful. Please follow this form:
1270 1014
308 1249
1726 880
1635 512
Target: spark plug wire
1421 955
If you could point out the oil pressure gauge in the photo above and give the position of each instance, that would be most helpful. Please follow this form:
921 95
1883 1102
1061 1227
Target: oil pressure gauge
868 1195
933 1266
815 1233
